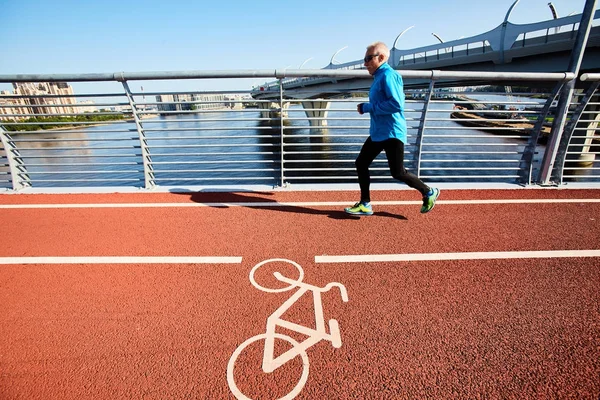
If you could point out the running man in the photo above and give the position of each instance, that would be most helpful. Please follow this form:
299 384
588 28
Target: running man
387 131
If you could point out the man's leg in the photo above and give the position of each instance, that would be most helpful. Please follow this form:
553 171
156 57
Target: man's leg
369 151
394 150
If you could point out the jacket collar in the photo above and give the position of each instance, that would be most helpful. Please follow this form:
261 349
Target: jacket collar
379 70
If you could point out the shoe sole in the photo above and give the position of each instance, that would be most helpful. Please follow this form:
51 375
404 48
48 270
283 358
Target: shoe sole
358 213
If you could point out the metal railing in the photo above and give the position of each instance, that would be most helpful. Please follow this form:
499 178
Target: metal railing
227 139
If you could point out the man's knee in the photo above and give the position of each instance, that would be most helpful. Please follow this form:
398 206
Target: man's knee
361 165
399 174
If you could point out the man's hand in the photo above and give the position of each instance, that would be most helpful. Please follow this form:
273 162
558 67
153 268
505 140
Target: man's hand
359 108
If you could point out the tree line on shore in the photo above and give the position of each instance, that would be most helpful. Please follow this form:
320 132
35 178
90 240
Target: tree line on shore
29 124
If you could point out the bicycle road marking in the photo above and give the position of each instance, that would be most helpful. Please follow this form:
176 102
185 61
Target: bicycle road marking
293 204
121 260
456 256
315 335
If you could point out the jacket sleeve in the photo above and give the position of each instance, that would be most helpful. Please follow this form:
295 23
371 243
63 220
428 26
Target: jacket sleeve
390 101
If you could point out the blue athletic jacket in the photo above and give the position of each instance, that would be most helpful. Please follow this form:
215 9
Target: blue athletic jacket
386 105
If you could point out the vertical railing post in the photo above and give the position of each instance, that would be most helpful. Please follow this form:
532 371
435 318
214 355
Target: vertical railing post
149 180
421 131
561 155
564 101
527 158
18 171
281 132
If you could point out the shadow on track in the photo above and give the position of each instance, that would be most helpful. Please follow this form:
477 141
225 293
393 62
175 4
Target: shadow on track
222 199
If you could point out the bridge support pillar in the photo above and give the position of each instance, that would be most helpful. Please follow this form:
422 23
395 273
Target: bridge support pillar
273 110
316 111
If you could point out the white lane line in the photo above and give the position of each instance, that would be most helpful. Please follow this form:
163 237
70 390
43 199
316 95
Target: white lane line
293 204
456 256
120 260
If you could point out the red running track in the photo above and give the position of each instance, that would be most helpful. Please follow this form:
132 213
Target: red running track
461 322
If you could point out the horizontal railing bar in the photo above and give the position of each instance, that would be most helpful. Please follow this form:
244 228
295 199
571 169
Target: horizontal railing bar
474 128
422 176
202 111
238 153
217 162
55 105
93 180
590 77
206 129
64 131
26 96
168 146
151 138
470 169
321 144
217 170
283 73
84 164
334 177
475 136
82 172
66 123
150 121
80 148
327 169
468 152
239 178
328 161
470 161
23 157
329 152
73 140
66 114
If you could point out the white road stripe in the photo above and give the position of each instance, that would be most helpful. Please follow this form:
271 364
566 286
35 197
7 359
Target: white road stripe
457 256
293 204
120 260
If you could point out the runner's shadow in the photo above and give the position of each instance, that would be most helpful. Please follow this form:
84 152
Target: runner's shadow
261 200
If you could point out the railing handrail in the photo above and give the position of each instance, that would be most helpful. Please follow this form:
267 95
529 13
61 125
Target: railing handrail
590 77
279 74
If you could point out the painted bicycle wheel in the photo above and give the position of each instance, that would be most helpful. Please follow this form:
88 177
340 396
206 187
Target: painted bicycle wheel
231 365
275 290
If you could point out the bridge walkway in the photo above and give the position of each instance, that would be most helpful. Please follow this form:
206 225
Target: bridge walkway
494 294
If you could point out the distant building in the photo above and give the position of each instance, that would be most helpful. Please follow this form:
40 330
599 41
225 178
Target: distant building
87 106
11 109
174 102
210 101
33 98
189 102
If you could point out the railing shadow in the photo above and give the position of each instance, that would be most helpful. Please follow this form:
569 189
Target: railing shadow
225 199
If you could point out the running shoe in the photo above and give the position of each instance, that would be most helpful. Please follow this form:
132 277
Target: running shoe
360 208
429 200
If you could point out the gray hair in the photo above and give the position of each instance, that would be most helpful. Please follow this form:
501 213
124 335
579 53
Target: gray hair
380 48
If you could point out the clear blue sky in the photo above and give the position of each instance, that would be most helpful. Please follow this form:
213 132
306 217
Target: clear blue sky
80 36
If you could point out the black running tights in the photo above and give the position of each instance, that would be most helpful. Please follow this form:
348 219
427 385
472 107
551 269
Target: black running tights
394 151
